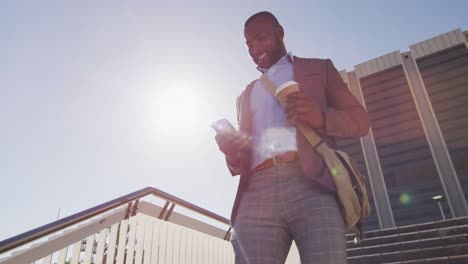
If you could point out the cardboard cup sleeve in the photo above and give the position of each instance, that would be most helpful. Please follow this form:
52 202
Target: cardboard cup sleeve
284 90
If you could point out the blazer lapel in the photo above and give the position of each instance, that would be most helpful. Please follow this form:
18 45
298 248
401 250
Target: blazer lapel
245 124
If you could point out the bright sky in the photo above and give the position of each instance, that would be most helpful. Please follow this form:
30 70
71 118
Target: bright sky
102 98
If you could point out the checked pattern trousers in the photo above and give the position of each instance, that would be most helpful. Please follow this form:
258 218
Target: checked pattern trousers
281 205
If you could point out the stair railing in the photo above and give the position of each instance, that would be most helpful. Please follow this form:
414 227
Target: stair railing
133 206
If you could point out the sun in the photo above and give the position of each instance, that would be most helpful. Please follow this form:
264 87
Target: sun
178 110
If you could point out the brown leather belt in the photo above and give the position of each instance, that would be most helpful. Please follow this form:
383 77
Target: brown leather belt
279 159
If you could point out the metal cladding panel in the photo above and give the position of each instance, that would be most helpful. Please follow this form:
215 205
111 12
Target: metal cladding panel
445 75
436 44
344 76
378 64
409 170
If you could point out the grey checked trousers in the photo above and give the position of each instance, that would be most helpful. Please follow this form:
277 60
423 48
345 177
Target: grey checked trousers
279 206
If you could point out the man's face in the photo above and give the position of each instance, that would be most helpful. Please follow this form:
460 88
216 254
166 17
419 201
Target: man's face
265 42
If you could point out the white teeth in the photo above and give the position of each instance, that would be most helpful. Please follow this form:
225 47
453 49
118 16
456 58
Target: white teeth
261 57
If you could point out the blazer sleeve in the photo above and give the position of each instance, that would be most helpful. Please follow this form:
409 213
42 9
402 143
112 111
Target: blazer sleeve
234 167
344 115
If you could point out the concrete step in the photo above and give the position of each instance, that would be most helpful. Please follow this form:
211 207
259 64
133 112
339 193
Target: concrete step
411 255
461 221
410 236
409 245
460 259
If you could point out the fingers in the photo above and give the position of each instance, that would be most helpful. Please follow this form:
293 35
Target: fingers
244 144
296 98
295 107
300 105
227 145
300 117
231 143
299 112
295 95
224 138
299 108
242 141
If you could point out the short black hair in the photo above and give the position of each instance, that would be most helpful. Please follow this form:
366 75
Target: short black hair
263 14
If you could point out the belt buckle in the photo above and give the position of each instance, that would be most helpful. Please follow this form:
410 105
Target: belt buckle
278 159
274 161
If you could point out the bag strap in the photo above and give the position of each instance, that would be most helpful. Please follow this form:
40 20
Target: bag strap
306 130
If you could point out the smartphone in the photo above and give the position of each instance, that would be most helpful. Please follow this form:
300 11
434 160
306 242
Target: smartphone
223 126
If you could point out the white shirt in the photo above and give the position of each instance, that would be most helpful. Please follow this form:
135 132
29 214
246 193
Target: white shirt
272 133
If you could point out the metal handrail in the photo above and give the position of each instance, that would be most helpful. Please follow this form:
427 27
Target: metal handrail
55 226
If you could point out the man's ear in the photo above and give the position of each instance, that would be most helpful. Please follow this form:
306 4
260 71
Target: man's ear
279 30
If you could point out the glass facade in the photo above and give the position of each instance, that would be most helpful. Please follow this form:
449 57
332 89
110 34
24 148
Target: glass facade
408 168
406 149
445 75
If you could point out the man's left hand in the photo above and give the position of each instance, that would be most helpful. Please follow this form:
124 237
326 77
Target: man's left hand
301 109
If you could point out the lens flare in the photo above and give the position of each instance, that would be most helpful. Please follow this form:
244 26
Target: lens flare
335 172
405 198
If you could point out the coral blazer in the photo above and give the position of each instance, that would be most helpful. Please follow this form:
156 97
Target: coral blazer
344 118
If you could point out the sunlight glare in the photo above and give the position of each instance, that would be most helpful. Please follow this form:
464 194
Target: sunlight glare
178 110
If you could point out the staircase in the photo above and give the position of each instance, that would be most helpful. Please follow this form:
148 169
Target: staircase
143 227
430 243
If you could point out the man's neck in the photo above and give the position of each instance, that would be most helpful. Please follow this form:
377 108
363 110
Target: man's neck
290 58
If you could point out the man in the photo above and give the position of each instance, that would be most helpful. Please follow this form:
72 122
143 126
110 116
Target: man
285 191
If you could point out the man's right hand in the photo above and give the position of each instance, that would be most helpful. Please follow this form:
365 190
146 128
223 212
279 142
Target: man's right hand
232 143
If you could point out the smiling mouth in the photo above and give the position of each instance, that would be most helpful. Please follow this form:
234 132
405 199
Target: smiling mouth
261 57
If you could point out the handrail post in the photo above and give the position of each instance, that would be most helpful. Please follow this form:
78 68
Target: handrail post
169 212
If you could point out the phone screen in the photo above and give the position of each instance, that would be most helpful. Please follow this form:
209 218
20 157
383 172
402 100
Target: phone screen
223 126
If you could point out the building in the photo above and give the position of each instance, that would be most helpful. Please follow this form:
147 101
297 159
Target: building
417 148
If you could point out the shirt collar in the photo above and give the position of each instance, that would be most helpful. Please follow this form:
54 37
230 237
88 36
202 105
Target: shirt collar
289 57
